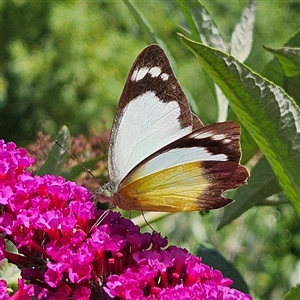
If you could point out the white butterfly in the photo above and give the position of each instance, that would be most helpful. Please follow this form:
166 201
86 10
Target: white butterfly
161 157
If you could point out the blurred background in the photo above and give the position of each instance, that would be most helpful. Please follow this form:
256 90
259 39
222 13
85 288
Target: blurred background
66 62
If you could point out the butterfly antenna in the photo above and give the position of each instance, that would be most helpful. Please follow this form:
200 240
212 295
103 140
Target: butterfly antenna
76 159
105 213
147 221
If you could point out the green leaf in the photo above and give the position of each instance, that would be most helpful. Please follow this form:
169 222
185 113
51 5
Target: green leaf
222 105
214 259
57 156
274 71
192 101
205 30
194 33
289 59
293 294
270 115
198 17
72 173
242 36
147 30
261 184
145 27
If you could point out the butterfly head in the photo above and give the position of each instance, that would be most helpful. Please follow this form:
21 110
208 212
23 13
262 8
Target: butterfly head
106 193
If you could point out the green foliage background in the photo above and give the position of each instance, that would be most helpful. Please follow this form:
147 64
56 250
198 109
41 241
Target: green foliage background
65 62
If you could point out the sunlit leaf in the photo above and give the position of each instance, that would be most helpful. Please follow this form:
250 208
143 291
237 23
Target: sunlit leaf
242 36
289 59
199 17
275 72
205 30
270 115
293 294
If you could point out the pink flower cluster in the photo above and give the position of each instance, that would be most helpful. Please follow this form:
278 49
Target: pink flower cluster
62 256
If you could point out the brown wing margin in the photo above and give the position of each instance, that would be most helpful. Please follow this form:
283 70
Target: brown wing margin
166 91
222 176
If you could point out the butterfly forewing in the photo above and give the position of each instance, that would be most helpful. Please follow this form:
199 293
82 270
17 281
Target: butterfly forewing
153 111
161 157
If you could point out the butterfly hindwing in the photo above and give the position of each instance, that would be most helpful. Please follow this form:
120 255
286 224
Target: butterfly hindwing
188 174
187 187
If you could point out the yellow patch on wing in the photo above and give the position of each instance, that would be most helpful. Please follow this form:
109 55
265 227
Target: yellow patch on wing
174 189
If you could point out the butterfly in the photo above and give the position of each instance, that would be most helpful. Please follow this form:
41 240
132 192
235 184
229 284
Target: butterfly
161 157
